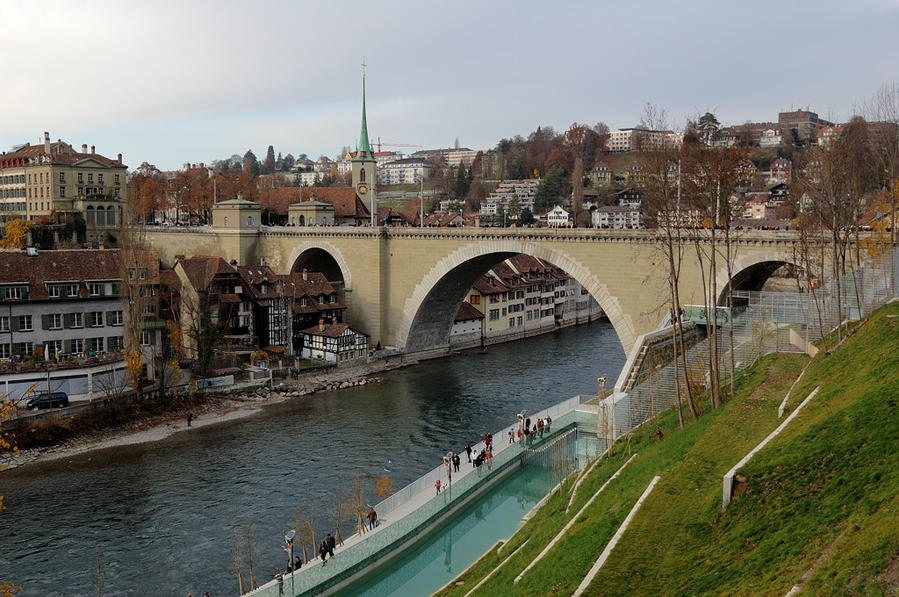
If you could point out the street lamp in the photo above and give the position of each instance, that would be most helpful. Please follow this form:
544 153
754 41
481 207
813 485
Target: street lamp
288 539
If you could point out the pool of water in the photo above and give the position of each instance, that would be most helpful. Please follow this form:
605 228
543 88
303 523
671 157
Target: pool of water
461 540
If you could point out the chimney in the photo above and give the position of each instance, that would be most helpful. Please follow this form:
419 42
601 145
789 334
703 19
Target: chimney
84 148
46 142
305 275
120 158
321 325
92 149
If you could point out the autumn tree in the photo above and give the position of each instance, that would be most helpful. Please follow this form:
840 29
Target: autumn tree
16 234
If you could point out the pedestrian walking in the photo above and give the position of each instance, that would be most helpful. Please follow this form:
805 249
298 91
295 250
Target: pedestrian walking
297 563
468 451
511 439
519 434
540 427
323 552
456 462
437 486
372 519
489 458
548 421
190 418
331 543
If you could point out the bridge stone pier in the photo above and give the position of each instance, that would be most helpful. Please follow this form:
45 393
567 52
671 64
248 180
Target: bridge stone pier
403 286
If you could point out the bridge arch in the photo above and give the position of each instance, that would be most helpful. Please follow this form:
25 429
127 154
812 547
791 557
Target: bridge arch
429 311
321 256
749 273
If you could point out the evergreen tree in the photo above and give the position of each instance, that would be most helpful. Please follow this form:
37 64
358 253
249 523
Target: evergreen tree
269 166
549 191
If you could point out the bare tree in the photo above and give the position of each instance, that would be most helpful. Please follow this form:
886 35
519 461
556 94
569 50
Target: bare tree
246 555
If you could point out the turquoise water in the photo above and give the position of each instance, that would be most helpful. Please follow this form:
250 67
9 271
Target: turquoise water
461 540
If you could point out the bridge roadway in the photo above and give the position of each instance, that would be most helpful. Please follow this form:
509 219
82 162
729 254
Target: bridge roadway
403 286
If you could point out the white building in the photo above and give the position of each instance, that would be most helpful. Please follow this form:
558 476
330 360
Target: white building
771 138
403 171
616 217
334 343
557 217
634 139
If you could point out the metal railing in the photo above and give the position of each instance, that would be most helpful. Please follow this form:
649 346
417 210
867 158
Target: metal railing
766 322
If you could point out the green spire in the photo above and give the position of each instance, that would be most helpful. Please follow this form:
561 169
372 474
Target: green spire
364 149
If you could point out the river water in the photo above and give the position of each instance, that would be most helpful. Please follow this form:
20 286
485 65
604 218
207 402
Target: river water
158 518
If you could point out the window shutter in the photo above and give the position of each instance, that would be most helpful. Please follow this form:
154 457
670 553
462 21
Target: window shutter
45 322
68 319
67 346
109 317
14 323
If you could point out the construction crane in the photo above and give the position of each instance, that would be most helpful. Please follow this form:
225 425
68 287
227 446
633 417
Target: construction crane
391 144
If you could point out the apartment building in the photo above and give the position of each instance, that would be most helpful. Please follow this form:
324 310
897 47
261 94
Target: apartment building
58 305
50 182
404 171
637 139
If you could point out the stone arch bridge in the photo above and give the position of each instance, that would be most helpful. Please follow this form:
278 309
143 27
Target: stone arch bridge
403 286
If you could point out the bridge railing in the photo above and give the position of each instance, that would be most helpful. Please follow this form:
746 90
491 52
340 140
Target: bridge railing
425 483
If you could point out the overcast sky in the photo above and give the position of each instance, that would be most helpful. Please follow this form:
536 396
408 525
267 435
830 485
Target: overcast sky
172 82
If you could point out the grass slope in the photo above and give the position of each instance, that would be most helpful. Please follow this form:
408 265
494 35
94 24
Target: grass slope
820 501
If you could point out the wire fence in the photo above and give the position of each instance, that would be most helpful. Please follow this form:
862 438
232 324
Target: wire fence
763 322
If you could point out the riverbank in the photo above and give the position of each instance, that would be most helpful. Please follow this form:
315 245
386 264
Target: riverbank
221 408
214 409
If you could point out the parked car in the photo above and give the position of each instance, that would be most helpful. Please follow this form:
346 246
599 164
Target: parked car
48 400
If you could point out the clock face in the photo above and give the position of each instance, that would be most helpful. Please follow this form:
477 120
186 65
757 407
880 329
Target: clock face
363 189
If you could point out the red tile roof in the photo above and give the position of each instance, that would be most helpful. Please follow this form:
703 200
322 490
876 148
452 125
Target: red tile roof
329 330
59 266
60 153
467 312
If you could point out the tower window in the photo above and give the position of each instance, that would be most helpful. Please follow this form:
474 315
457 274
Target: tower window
362 175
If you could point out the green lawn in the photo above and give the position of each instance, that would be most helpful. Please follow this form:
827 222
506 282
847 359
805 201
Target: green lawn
823 486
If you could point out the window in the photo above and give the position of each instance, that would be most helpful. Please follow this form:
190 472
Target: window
475 299
54 321
321 299
54 291
115 318
77 320
494 314
95 289
145 338
95 344
62 191
519 320
504 311
304 302
95 319
62 177
26 348
100 178
5 351
115 343
117 179
151 309
116 288
226 220
71 289
25 324
77 345
90 177
14 292
332 299
4 323
53 347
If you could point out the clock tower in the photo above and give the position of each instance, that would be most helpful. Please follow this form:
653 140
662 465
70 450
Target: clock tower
365 173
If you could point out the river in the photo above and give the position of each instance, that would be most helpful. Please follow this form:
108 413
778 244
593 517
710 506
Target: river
158 518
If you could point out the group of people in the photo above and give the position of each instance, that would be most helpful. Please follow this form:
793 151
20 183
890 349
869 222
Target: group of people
527 432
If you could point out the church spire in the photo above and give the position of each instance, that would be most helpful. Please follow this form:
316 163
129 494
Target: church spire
364 149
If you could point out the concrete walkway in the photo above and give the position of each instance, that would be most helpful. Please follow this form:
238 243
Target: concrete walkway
409 501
